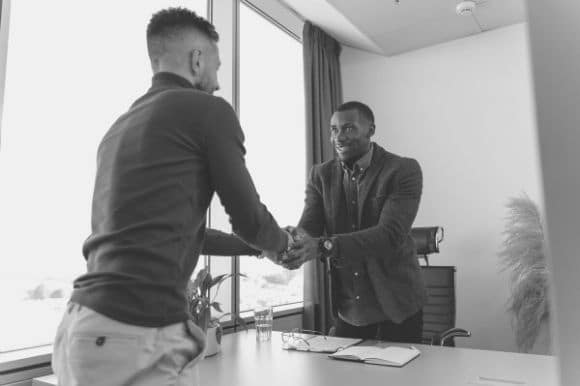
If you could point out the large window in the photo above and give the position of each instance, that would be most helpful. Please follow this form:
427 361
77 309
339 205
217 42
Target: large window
72 68
272 116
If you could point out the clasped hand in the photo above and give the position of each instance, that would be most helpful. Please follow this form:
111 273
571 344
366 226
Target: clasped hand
302 249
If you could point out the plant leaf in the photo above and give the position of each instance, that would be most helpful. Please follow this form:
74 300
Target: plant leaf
219 279
206 285
200 278
217 306
523 254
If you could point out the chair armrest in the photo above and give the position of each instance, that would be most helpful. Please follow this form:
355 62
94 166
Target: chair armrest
442 337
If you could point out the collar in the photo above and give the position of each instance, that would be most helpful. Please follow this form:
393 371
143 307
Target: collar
363 162
170 79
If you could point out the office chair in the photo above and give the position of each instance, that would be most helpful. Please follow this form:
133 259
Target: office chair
439 310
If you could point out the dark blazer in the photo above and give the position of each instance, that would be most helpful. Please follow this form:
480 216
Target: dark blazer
388 201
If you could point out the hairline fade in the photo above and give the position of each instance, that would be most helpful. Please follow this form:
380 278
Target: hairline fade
170 23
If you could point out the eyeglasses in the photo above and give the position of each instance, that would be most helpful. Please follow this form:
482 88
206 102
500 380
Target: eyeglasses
298 338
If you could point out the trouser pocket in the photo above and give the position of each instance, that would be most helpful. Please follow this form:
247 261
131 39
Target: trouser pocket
107 359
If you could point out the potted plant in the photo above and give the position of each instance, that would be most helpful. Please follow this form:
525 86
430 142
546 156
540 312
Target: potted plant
200 304
524 254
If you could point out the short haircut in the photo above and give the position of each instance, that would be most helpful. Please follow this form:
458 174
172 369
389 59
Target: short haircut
362 109
169 22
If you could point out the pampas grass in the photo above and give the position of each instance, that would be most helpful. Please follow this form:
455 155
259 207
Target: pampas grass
523 254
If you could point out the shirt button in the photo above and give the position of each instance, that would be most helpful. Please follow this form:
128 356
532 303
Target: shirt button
100 341
357 297
356 273
354 202
354 178
354 227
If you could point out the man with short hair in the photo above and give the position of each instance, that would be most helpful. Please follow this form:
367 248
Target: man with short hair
357 218
158 167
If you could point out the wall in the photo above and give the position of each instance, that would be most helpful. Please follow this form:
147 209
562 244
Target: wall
464 110
554 33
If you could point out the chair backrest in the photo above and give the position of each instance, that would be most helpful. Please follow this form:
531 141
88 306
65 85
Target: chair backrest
427 239
439 310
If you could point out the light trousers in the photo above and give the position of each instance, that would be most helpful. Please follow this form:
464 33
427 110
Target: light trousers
91 349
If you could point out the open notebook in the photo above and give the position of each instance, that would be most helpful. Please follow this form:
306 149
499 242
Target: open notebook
386 356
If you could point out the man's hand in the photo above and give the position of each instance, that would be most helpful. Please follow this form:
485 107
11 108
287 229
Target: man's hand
297 233
304 249
273 256
278 257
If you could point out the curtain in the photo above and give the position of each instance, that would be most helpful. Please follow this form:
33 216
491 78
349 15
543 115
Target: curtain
323 89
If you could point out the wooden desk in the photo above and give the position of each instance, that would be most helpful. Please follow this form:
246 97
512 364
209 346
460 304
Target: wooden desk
244 362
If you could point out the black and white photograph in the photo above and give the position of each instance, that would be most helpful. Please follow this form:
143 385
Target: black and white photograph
289 192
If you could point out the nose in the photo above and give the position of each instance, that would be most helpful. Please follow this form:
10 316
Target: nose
340 136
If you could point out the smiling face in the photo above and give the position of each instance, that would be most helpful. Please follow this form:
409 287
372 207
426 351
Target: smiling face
350 134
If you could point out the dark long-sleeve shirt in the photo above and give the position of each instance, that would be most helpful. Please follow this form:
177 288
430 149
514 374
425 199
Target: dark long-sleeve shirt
158 167
356 301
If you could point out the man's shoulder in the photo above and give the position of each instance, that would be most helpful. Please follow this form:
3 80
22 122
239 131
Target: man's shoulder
394 160
325 168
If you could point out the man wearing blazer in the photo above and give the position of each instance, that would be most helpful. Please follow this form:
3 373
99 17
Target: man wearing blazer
357 218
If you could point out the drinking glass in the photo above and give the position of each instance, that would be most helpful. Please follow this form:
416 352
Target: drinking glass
263 318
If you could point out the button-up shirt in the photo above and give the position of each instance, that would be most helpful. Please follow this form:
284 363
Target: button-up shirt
357 303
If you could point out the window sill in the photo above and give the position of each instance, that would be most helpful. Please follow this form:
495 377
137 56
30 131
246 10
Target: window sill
25 364
279 312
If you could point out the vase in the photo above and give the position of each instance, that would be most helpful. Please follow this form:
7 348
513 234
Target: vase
213 340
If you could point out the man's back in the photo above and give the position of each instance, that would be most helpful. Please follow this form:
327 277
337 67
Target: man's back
151 194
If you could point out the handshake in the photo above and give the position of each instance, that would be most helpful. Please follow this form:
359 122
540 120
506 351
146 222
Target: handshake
301 248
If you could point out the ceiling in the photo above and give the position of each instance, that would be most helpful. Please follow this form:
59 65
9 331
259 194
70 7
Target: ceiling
387 28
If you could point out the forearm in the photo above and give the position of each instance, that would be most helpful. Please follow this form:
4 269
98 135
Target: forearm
219 243
249 217
377 242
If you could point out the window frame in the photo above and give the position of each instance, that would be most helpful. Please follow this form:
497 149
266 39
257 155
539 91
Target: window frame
289 22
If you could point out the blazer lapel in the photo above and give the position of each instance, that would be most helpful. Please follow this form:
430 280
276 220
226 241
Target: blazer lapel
370 178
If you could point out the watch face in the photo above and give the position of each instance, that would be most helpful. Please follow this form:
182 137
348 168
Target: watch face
327 245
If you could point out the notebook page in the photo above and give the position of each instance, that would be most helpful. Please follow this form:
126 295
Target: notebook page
393 354
390 355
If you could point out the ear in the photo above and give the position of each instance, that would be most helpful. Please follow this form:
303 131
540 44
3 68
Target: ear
371 130
195 61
